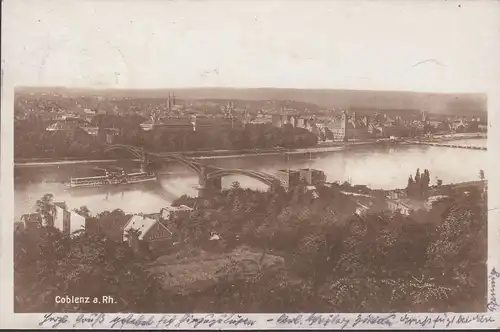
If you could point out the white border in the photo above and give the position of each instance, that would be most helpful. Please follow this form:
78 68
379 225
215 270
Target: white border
485 83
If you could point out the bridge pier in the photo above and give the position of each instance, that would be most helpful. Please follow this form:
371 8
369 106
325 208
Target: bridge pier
144 161
209 187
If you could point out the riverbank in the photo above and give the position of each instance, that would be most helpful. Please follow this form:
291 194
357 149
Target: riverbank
323 147
213 154
452 137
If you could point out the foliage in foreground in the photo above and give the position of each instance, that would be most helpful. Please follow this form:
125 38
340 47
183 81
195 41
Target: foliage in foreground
335 260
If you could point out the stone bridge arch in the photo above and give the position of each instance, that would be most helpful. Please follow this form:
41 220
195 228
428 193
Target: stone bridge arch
261 176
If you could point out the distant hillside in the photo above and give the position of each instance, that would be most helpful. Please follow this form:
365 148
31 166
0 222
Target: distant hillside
451 104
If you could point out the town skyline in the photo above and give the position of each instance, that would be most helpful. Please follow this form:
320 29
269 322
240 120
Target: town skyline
437 103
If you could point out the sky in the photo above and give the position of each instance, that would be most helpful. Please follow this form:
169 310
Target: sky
431 46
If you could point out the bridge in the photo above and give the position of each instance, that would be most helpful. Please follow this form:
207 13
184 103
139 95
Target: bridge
450 145
209 177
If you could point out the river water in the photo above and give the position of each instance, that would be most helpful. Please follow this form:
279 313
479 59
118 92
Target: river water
378 167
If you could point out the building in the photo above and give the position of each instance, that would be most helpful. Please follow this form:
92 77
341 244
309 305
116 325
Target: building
288 178
433 200
347 127
111 134
291 117
71 134
92 131
338 127
312 190
67 221
171 213
292 178
190 123
312 176
67 123
139 223
396 194
89 114
405 206
169 123
439 125
60 216
482 127
29 221
362 210
151 230
202 123
262 119
459 125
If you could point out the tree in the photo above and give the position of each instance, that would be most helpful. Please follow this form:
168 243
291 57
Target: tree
426 179
45 206
333 260
410 187
481 175
417 177
132 236
83 211
51 264
235 185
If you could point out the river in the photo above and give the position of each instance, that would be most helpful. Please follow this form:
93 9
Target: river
378 167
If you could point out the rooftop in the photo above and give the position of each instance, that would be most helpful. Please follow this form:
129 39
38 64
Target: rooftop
62 205
140 223
178 208
411 203
291 171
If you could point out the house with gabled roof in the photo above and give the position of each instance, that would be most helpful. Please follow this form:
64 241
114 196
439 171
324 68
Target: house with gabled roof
151 229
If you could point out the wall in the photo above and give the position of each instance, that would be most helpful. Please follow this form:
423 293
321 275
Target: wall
284 178
77 222
66 222
165 214
306 175
59 218
397 206
157 233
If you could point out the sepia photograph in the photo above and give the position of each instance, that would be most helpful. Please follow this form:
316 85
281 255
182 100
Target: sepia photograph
182 158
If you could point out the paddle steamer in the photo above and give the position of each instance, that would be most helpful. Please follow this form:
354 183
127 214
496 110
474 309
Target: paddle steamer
111 178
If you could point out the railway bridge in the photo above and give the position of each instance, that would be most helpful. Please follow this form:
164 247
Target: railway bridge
209 177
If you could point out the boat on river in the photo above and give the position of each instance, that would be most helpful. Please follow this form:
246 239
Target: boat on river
111 179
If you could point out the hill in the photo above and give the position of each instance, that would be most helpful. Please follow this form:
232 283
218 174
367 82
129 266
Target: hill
437 103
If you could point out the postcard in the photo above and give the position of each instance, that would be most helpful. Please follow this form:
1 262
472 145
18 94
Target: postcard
250 164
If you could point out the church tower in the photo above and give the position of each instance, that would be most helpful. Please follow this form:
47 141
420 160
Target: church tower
341 131
424 116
